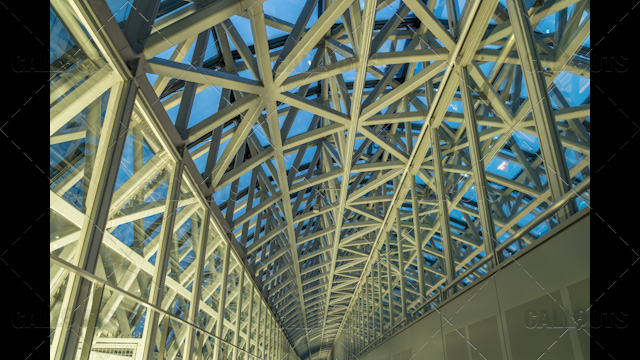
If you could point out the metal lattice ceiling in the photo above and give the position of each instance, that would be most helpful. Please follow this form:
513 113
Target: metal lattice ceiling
342 136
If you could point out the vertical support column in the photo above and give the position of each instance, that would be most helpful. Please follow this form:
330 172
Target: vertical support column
267 337
93 124
98 291
163 338
280 344
354 331
389 284
373 305
403 294
351 336
550 145
197 281
363 341
260 334
138 162
162 258
365 328
250 319
277 342
365 324
276 348
199 352
380 309
274 337
417 234
363 320
354 324
365 313
271 337
475 152
221 305
354 336
236 335
443 209
367 304
359 328
372 308
370 318
346 332
98 200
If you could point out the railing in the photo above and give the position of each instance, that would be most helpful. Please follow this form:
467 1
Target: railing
151 307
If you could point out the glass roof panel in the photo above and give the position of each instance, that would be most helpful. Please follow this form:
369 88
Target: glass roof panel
352 150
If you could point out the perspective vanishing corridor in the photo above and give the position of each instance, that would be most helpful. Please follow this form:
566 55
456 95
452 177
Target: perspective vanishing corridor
257 179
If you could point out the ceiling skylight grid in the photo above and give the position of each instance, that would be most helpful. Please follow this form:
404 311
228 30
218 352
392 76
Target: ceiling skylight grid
390 143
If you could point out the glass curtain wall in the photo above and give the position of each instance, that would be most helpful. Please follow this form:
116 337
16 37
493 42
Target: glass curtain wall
139 268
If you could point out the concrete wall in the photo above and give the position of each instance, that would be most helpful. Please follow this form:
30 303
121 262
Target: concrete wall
532 308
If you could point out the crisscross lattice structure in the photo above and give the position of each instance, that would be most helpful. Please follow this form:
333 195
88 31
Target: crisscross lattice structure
358 157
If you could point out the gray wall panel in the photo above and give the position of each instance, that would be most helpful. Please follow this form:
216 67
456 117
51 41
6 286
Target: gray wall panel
470 308
580 302
538 328
530 294
456 345
486 337
525 310
421 340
